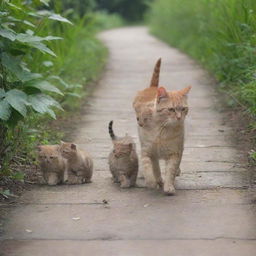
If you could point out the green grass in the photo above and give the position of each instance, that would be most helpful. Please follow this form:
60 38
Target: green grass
221 35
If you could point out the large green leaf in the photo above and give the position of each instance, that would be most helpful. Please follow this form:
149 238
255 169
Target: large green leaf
44 86
45 2
62 82
7 34
13 64
18 100
28 38
28 23
5 110
58 17
41 103
48 38
13 5
42 48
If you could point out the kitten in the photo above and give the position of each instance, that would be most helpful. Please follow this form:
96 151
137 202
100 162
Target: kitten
53 165
123 160
161 136
79 162
144 116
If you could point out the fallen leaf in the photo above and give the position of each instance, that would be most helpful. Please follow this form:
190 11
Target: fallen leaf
76 218
146 205
29 231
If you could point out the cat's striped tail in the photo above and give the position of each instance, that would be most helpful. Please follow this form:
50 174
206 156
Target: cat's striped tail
155 76
110 130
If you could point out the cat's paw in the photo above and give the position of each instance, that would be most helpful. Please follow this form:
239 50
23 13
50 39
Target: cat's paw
169 190
124 182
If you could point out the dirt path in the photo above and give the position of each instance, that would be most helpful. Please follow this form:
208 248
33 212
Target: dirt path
211 214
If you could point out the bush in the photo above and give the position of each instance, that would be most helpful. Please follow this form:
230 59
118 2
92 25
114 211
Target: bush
220 34
129 10
46 62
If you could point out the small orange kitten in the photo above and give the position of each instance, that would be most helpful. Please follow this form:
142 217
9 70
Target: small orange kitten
161 116
53 165
123 160
79 164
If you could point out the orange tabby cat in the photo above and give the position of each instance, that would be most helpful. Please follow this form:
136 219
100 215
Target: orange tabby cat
53 165
80 164
161 116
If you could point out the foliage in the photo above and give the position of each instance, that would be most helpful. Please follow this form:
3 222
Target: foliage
129 10
23 92
220 34
44 66
253 155
104 20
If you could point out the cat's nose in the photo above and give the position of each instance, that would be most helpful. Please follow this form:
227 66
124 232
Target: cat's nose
178 116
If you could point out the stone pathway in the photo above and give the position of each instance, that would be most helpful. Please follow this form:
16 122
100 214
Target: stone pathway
212 213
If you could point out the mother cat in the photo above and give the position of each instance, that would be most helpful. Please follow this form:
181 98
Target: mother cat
160 115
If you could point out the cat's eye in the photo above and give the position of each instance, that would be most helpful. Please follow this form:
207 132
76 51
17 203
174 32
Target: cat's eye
171 109
183 109
114 151
137 119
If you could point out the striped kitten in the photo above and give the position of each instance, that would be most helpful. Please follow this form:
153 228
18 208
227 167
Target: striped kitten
123 160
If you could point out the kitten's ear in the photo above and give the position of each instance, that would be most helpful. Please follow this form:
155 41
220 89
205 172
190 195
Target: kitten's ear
185 91
39 148
73 146
130 146
62 142
161 94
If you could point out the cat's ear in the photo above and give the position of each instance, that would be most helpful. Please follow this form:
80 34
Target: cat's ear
161 94
130 146
62 142
73 146
185 91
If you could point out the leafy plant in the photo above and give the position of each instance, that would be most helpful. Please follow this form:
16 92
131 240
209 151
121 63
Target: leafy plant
24 92
45 65
220 34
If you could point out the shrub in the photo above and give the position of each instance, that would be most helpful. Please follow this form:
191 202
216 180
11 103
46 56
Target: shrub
220 34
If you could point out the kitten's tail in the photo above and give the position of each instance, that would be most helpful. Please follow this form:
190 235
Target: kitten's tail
110 130
155 76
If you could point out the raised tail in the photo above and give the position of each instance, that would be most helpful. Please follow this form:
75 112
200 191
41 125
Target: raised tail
155 76
110 130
